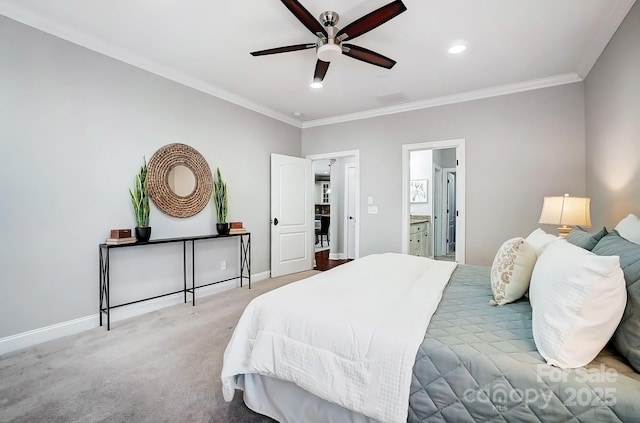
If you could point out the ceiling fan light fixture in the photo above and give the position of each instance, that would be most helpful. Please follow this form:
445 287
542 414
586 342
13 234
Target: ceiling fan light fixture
328 52
457 48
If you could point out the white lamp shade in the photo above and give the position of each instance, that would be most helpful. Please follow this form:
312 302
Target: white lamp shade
566 210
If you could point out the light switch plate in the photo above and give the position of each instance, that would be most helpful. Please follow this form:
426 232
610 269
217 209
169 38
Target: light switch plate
370 200
372 209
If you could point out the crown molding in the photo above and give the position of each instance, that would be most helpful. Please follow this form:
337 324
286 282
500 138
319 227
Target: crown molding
607 30
604 34
23 16
535 84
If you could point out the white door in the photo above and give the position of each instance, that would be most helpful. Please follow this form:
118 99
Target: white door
351 212
292 222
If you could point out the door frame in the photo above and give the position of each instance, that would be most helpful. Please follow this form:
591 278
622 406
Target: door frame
459 145
345 241
445 203
336 155
437 209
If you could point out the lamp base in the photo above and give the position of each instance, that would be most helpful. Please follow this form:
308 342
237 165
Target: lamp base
564 231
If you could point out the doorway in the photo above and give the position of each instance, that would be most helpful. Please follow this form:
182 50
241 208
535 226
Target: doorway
438 217
336 202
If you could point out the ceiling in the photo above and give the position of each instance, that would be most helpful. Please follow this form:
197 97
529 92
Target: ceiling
513 45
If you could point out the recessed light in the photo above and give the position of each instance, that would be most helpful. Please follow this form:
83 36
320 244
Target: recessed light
297 114
457 48
316 84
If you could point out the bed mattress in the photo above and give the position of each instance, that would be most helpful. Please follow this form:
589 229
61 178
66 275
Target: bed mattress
479 363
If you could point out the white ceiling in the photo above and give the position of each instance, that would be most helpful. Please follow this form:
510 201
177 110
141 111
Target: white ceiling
513 45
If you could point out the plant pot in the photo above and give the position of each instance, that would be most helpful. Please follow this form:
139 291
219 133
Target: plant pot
222 228
143 233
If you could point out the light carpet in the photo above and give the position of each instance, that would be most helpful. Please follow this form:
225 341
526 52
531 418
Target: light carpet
163 366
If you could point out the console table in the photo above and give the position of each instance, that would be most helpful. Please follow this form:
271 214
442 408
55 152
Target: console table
245 266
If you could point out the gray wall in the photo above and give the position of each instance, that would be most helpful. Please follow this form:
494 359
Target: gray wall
445 157
519 148
74 127
612 102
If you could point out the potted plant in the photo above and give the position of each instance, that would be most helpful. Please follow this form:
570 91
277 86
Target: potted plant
221 203
140 202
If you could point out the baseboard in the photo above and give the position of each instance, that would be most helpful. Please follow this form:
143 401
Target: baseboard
71 327
260 276
47 333
337 256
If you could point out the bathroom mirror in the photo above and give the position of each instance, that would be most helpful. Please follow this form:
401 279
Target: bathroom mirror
179 179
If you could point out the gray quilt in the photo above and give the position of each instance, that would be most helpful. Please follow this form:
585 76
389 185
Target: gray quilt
479 363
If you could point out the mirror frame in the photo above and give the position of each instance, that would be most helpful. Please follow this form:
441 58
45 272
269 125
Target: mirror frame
159 166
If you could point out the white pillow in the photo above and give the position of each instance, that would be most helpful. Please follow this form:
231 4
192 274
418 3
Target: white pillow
539 239
629 228
577 299
511 270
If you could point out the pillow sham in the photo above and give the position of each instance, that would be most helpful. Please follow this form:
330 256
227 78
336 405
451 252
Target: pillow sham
584 239
629 228
511 270
539 239
577 300
627 336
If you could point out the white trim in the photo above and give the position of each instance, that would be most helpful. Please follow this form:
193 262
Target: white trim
436 233
356 155
47 333
71 327
445 203
345 239
338 256
518 87
604 34
61 31
459 145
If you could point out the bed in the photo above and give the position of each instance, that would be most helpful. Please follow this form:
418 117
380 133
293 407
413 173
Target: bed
471 362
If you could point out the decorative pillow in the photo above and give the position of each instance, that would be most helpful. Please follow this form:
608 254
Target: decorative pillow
629 228
577 299
584 239
539 239
511 270
627 336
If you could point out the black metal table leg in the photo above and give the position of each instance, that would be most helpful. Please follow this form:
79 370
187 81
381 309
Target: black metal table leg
193 271
104 285
100 280
184 268
245 259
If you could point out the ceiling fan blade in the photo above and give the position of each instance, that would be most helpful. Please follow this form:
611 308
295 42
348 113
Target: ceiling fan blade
305 17
321 70
368 56
371 20
283 49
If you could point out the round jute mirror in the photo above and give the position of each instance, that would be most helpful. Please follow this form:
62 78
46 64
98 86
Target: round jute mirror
179 180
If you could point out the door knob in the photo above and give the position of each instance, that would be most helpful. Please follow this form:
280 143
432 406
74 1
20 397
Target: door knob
275 221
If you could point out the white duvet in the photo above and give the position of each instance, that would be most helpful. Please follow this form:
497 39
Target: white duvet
349 335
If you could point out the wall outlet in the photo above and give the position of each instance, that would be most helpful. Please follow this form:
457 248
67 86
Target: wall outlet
223 265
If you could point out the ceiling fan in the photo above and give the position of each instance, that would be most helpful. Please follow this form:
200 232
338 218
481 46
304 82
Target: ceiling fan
331 40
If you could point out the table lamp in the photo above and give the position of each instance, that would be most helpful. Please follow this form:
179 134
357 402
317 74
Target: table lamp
566 211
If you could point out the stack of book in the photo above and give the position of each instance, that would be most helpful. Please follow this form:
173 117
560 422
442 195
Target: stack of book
120 236
236 228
